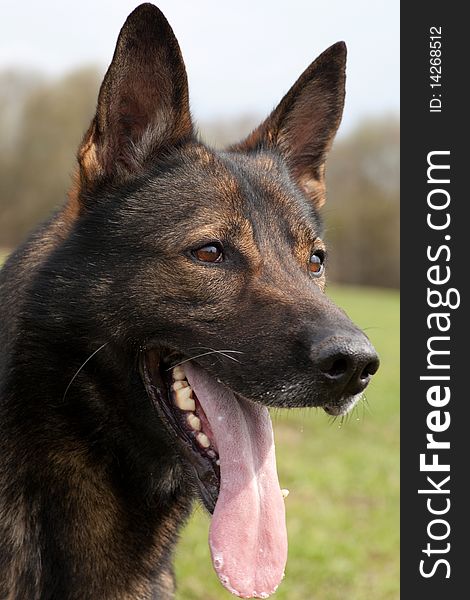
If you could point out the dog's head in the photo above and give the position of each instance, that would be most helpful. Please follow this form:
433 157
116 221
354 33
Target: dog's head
220 279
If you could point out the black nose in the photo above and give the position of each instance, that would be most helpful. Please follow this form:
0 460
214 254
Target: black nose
347 364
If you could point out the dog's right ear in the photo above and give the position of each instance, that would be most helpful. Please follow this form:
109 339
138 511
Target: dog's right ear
143 105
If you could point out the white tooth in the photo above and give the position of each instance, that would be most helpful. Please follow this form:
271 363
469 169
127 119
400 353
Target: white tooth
178 385
183 399
183 392
194 422
178 373
203 440
285 493
217 462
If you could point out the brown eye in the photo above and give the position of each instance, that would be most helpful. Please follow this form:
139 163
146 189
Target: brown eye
315 265
212 253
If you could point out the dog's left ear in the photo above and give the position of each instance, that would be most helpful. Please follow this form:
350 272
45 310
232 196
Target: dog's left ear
304 124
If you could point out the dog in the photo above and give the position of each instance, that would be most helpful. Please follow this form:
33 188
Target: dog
149 325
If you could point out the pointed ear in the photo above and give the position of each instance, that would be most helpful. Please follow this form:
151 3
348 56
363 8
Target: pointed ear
303 125
143 105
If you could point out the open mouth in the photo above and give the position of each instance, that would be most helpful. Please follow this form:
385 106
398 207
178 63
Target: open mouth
229 442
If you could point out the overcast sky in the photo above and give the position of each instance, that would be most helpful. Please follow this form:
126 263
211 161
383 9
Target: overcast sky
241 55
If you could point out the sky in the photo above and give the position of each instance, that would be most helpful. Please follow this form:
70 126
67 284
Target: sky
241 56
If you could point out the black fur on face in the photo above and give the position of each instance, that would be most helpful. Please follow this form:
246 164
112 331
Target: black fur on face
141 286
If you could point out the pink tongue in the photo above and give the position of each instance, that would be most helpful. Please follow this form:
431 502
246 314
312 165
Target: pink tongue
247 537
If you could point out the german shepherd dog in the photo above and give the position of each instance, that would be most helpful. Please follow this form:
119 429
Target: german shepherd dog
148 326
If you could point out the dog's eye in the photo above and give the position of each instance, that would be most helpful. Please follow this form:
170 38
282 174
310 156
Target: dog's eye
315 265
212 253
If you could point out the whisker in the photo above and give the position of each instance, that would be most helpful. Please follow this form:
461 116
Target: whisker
188 359
81 367
211 351
226 355
366 405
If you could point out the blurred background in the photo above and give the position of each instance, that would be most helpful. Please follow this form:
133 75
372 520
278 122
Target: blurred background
241 58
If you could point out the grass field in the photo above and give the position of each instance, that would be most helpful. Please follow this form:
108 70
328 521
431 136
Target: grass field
343 507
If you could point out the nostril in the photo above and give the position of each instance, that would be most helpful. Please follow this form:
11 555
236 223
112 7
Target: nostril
337 369
369 370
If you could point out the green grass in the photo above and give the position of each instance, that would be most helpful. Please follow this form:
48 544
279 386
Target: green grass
343 507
